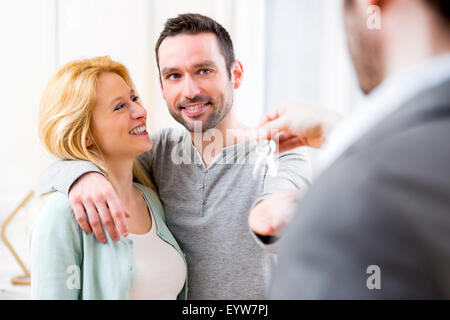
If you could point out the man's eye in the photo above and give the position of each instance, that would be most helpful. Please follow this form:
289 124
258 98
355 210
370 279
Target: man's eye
205 71
119 106
173 76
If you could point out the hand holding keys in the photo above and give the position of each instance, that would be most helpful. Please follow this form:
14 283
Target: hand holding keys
265 156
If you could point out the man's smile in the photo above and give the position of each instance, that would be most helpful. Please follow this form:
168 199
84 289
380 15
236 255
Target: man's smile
195 109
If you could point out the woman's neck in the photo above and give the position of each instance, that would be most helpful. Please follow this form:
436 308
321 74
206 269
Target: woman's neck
120 174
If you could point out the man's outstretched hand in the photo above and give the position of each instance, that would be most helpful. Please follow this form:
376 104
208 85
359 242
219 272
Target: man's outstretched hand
299 125
270 216
92 195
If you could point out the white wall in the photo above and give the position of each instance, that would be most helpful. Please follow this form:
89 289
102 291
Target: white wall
307 57
27 56
39 35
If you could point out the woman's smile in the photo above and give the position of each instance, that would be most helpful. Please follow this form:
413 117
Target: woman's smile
140 130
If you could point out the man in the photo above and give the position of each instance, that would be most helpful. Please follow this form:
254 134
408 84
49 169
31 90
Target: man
203 174
376 222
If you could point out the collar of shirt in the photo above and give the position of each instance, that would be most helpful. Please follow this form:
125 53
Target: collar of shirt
383 101
233 153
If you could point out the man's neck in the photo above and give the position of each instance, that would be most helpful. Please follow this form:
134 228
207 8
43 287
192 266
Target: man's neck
229 131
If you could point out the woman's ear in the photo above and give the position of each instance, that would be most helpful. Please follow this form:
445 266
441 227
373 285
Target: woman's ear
89 140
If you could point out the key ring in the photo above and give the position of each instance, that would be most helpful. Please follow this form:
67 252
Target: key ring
265 156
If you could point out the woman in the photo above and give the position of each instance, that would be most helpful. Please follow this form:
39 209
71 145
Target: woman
90 111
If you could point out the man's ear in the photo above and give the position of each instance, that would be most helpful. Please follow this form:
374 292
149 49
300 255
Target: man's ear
238 74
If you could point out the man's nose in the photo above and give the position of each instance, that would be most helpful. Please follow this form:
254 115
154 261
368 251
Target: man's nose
190 88
138 111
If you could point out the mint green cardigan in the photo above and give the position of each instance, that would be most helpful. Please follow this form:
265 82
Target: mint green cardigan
68 263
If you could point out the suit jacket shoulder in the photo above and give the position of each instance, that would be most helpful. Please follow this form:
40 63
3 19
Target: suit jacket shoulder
384 202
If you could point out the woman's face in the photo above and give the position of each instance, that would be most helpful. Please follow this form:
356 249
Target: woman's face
119 119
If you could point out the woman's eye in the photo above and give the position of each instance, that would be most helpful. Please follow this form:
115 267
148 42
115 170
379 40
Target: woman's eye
134 98
119 106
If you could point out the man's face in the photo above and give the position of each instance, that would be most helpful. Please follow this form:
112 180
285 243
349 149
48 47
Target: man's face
194 80
364 45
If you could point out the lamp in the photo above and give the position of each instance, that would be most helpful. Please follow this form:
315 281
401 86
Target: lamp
24 279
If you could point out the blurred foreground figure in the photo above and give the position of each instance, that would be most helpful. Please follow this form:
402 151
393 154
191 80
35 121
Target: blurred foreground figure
376 222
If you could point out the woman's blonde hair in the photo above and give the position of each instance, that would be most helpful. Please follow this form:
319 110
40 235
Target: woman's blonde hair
65 112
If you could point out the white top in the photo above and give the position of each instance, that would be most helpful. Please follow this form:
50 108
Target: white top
160 271
383 101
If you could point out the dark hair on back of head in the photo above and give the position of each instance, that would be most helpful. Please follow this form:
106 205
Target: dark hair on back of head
192 23
440 7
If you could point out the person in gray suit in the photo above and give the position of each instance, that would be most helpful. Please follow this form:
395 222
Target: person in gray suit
376 222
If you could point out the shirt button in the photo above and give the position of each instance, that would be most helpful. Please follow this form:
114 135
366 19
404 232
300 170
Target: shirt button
131 269
161 234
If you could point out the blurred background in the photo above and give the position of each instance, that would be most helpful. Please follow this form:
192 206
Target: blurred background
290 50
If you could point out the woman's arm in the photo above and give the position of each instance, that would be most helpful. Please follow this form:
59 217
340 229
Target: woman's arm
56 252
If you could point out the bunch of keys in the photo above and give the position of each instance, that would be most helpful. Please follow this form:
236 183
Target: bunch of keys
265 156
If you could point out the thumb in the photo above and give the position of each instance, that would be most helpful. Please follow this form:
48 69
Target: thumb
271 129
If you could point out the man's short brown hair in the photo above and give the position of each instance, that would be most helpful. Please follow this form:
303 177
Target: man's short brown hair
192 23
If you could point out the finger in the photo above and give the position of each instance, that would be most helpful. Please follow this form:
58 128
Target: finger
280 220
276 113
284 136
259 223
119 215
271 129
263 122
107 220
262 228
271 116
94 221
277 228
80 216
290 144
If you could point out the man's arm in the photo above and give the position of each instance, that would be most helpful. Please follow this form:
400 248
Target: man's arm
61 175
274 207
294 125
91 195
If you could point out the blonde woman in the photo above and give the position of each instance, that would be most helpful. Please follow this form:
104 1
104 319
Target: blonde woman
90 111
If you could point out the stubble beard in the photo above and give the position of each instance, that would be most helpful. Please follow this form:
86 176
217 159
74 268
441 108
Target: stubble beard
219 109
